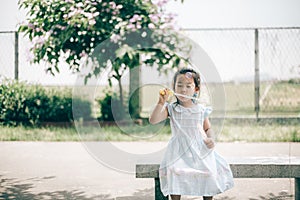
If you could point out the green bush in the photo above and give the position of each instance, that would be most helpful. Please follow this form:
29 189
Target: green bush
129 111
21 103
294 81
106 108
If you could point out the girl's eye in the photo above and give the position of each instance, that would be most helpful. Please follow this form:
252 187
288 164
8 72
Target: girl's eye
179 85
189 86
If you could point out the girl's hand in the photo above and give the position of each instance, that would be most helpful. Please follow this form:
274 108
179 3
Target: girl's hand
163 95
209 142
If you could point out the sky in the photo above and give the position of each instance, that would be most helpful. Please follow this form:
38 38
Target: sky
192 14
203 13
237 13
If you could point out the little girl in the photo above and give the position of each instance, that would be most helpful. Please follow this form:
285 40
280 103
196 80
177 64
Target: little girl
190 165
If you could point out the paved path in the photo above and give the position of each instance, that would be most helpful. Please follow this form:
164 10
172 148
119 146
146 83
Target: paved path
66 170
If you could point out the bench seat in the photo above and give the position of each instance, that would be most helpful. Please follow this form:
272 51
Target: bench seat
253 167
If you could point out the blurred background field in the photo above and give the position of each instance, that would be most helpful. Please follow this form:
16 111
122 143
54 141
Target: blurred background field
278 122
279 99
233 53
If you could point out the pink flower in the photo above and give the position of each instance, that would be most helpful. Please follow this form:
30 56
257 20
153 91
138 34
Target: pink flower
151 26
38 40
92 22
154 18
30 25
119 6
115 38
80 4
112 5
130 26
29 55
38 29
138 26
60 27
83 54
160 3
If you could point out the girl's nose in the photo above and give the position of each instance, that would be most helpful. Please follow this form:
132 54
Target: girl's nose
183 89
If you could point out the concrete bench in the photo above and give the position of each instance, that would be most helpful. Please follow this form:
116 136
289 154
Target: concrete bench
258 167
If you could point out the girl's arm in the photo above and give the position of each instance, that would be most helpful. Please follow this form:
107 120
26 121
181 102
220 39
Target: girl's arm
160 111
210 136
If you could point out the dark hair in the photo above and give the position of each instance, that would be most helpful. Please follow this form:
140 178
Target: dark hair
195 75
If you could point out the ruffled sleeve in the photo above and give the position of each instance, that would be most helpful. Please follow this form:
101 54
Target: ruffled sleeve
207 111
169 108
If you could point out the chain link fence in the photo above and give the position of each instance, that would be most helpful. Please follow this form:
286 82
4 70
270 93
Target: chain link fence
278 60
233 53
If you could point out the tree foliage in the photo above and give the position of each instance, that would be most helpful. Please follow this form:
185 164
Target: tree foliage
118 35
69 30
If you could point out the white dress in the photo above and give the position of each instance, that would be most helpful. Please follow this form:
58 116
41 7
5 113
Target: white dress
188 166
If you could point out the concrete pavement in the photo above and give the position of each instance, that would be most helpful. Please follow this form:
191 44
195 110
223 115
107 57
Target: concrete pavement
67 170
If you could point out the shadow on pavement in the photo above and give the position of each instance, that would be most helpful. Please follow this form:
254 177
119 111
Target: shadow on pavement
271 196
16 189
20 189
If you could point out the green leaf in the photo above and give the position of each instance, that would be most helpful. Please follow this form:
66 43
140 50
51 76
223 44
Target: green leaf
56 68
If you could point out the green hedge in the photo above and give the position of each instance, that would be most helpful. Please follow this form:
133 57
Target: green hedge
106 107
22 103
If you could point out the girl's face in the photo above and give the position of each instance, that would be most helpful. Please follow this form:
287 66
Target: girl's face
185 85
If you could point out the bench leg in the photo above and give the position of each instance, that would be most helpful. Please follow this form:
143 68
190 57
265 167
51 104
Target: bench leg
158 194
297 188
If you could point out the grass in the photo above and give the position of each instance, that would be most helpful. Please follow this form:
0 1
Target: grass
281 99
231 132
21 133
260 133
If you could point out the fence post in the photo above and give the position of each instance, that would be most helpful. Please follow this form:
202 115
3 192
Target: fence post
16 55
256 75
